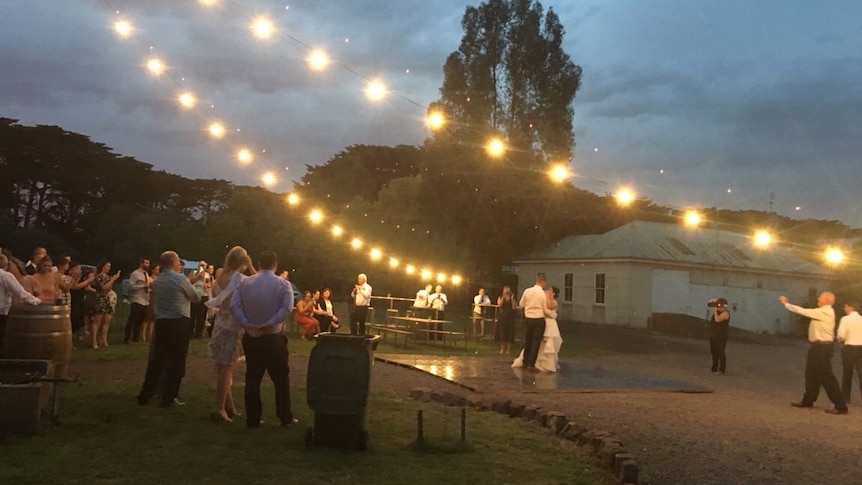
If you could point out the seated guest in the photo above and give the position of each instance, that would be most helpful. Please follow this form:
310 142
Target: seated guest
305 316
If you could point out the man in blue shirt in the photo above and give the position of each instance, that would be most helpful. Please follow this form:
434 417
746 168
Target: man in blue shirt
172 296
260 304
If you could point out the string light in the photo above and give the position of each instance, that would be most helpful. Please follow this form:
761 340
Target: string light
375 91
337 231
316 216
833 256
375 254
762 238
187 100
496 147
269 179
441 278
244 156
123 28
426 274
155 66
318 60
456 280
292 199
262 28
435 120
624 196
692 218
356 243
393 263
410 269
559 173
216 130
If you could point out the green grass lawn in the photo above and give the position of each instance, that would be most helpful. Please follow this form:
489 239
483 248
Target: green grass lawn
106 438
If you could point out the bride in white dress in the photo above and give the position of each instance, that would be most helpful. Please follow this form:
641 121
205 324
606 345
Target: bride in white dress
549 349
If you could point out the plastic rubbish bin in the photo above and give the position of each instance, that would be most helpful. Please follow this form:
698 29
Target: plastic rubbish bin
339 378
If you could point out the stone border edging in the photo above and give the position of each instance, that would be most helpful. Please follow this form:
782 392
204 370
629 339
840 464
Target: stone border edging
612 456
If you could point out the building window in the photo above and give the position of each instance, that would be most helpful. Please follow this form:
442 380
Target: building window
600 289
568 284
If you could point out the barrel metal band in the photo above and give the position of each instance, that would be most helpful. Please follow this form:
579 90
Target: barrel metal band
45 334
19 316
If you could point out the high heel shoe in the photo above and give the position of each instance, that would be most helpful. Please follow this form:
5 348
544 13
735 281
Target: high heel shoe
219 417
233 413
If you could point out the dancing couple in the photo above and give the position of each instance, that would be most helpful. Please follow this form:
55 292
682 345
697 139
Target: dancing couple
542 340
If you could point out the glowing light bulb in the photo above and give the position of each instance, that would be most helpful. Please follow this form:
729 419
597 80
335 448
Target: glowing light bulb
375 254
292 199
268 179
337 231
692 218
435 120
833 255
559 173
316 216
624 196
262 28
216 130
356 243
410 269
426 274
495 147
375 91
155 66
441 278
393 262
187 100
762 238
123 28
456 280
244 156
208 3
318 60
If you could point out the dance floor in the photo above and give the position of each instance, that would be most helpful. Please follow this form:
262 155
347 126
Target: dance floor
496 374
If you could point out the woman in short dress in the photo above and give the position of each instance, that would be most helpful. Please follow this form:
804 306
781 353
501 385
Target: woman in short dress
305 316
505 333
102 311
226 341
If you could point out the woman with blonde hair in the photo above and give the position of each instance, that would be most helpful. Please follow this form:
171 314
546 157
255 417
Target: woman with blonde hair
226 341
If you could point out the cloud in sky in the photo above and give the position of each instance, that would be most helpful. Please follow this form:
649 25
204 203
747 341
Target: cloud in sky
685 100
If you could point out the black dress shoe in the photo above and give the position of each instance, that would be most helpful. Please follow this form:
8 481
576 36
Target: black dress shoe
801 405
836 411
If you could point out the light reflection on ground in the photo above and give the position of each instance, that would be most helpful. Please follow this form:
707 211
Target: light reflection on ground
496 373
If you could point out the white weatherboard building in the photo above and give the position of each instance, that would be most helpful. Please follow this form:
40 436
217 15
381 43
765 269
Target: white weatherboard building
624 276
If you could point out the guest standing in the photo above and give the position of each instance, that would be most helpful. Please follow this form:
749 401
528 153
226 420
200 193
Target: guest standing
480 303
719 331
260 305
102 311
47 279
361 296
150 315
505 333
818 363
226 339
139 296
173 293
10 288
850 334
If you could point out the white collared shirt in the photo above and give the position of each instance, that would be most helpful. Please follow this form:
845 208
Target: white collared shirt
362 297
534 302
822 326
850 329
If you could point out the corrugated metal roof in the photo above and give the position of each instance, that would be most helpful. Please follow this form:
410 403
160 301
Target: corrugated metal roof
653 241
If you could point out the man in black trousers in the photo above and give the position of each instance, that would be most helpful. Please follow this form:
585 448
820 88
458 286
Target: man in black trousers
535 305
260 305
818 363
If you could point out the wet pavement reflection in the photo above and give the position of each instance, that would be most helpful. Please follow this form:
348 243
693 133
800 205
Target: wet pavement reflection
496 374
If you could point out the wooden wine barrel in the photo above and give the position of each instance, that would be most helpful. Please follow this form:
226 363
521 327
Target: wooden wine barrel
40 332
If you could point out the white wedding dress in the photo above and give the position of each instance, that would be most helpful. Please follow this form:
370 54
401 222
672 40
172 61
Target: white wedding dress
548 359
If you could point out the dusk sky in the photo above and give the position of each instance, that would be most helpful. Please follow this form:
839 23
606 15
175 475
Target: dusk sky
693 103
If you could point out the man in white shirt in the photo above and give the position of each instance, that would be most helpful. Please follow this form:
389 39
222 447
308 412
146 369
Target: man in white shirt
438 302
535 305
139 297
9 288
850 334
818 363
479 312
361 296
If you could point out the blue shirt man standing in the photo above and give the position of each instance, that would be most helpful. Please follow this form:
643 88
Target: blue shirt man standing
260 305
172 296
